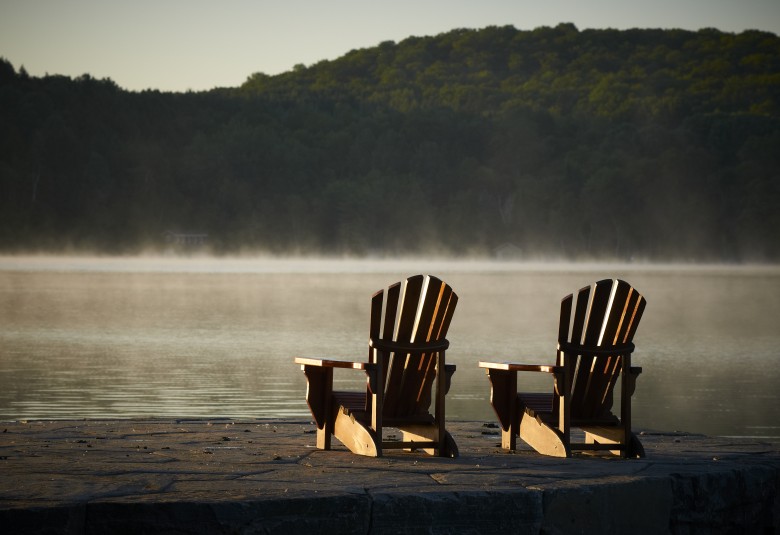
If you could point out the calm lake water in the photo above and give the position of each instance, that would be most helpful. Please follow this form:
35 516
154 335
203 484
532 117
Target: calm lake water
204 337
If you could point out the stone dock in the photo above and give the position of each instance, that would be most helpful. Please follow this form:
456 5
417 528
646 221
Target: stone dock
265 476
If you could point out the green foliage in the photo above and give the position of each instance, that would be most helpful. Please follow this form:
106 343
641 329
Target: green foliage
645 144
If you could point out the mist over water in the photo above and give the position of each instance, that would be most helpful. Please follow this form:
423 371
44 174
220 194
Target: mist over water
215 337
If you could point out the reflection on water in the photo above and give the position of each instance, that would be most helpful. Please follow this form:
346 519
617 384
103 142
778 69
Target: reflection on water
118 337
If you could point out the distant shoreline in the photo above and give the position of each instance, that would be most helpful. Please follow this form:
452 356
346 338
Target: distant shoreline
353 265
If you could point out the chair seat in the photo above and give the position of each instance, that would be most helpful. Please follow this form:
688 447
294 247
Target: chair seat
540 405
355 403
536 404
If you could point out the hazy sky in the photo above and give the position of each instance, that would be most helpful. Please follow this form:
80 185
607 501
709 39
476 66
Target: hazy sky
176 45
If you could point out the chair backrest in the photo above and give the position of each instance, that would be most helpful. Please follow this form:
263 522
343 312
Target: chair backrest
416 310
606 315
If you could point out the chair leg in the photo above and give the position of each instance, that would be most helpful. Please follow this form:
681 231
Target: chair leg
634 448
509 438
356 436
319 397
606 435
324 434
503 398
543 438
450 447
630 447
426 433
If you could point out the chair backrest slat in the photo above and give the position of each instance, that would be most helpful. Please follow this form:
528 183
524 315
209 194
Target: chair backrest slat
375 332
607 314
419 377
400 325
577 323
391 309
606 368
416 310
633 315
565 320
375 324
383 314
591 329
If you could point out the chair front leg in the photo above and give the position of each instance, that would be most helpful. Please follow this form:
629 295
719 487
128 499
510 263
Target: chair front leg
319 397
449 371
503 398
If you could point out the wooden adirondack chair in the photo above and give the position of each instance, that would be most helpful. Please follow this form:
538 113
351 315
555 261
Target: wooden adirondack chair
594 350
409 322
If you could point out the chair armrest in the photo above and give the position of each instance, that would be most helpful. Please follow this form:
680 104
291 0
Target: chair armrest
449 371
327 363
516 367
631 375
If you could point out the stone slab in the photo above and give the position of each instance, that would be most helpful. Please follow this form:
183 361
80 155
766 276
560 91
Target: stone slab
259 476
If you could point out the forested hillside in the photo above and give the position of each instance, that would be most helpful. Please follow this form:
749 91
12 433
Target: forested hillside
640 144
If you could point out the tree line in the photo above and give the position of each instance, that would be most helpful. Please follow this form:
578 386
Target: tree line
637 144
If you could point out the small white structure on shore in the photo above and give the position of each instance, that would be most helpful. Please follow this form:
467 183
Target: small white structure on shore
507 251
185 239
